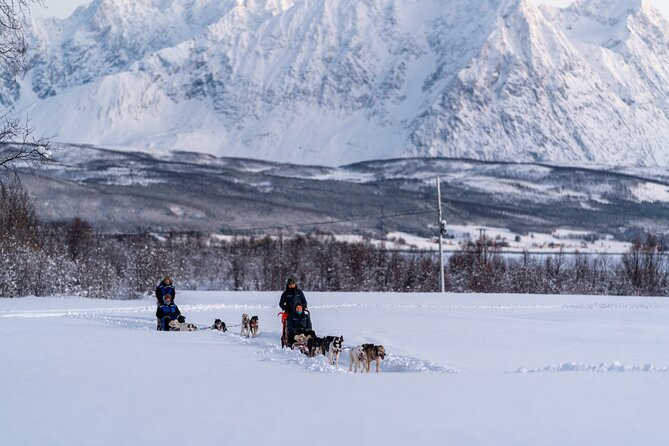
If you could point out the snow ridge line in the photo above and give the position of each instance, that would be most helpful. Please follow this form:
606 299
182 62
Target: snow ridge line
209 307
74 312
595 306
616 367
149 309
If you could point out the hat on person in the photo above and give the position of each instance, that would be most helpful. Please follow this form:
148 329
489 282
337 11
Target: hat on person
298 308
290 281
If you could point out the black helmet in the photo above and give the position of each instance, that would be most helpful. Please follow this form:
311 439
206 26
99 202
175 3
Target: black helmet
290 281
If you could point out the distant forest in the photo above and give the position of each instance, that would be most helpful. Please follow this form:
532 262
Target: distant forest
72 259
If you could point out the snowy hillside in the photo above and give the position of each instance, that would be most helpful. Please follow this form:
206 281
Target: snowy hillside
339 81
462 370
130 191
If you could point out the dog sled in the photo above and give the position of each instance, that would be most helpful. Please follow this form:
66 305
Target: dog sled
301 343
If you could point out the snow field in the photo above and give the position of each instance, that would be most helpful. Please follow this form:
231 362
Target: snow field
462 369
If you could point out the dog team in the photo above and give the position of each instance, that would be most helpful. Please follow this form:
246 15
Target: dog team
297 332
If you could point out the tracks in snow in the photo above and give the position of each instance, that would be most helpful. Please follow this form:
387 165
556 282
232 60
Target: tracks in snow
267 345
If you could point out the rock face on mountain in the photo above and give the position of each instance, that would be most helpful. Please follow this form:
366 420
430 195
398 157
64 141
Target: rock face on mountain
340 81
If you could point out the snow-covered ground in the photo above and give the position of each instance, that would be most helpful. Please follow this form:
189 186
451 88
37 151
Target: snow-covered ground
565 240
462 370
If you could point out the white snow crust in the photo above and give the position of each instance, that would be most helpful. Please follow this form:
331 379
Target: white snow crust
462 369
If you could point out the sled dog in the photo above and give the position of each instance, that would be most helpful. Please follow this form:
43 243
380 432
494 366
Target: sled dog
314 346
219 325
331 347
373 353
301 343
253 325
246 326
358 358
301 339
181 326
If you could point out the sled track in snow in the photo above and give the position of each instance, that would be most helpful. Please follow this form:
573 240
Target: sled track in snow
135 323
267 344
268 348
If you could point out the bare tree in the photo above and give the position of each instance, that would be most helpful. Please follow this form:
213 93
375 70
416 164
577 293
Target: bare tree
18 142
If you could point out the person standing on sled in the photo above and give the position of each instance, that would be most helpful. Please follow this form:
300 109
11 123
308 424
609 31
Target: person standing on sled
290 298
167 312
299 322
164 288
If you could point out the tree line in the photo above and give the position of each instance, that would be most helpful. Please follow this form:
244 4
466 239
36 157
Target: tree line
70 258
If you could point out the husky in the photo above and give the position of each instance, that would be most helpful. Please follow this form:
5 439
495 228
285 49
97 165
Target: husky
358 359
373 353
219 325
314 347
181 326
246 326
331 347
253 325
301 343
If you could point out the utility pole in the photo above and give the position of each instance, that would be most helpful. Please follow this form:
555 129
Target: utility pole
442 232
484 245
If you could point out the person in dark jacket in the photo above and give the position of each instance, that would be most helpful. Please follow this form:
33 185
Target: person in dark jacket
164 288
299 322
167 312
292 297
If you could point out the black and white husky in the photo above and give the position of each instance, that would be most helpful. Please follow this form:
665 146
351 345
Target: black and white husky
219 325
254 324
329 346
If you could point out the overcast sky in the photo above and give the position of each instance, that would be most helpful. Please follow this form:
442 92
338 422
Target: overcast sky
63 8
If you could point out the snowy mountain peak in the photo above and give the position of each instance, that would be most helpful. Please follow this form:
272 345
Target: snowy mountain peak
335 81
610 8
625 17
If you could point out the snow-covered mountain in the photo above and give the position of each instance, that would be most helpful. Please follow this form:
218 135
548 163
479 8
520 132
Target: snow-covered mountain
339 81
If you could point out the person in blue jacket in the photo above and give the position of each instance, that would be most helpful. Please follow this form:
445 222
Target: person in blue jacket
164 288
299 322
167 312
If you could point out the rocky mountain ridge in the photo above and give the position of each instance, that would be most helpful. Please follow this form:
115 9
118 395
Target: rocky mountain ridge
332 82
